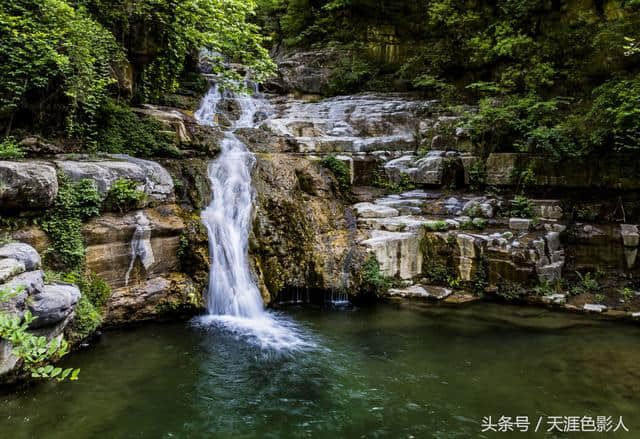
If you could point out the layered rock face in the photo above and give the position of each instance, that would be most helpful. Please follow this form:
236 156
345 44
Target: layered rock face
441 232
23 289
136 253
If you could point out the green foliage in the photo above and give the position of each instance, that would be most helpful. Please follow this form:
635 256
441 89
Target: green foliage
403 185
124 196
436 226
479 223
615 115
74 203
95 293
87 319
509 290
521 207
373 278
545 288
626 294
480 279
123 131
34 352
10 150
586 284
351 74
340 170
477 175
176 30
435 87
52 49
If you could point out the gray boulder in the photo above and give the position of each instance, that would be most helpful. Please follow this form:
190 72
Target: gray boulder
53 304
10 267
21 252
27 185
153 179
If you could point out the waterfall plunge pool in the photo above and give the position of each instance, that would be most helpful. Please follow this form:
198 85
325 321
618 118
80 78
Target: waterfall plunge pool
395 371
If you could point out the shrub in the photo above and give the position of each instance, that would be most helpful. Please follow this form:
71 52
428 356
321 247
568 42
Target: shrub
586 284
351 74
10 150
615 115
439 226
382 182
124 196
86 321
375 281
74 203
509 290
521 207
477 175
340 170
92 286
124 132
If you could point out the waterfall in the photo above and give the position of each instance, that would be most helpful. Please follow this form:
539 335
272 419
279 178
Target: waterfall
227 218
233 299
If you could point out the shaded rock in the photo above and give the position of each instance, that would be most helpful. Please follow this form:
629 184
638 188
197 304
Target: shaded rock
594 308
630 235
23 253
520 224
135 246
10 267
27 185
54 304
155 297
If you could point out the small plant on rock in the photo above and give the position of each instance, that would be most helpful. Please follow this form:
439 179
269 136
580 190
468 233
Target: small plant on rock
626 294
340 170
124 196
521 207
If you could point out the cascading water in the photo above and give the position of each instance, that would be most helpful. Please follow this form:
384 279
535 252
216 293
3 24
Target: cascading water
233 298
231 288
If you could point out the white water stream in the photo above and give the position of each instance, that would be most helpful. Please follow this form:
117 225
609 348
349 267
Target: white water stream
233 299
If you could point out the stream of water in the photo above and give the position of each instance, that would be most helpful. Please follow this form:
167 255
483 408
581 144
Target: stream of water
233 299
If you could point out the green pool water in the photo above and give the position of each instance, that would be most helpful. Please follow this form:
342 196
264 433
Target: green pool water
392 371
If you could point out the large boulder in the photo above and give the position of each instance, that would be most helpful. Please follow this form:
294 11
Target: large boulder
27 185
153 179
305 72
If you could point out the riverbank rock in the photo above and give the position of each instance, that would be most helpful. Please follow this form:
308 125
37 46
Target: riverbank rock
53 305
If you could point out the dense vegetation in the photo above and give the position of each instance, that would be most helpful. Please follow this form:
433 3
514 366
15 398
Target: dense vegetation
64 60
554 77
